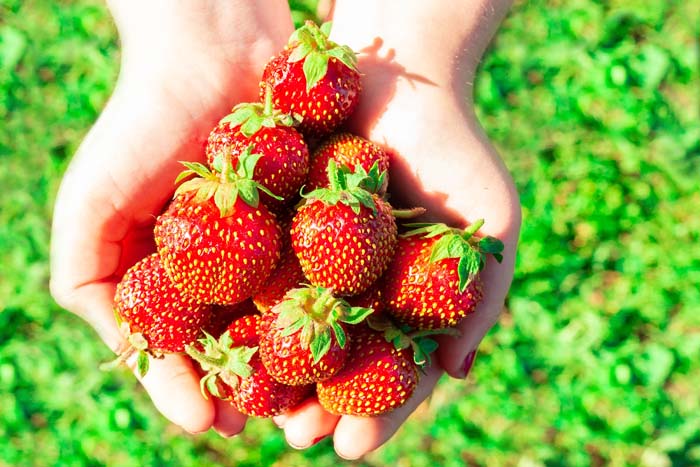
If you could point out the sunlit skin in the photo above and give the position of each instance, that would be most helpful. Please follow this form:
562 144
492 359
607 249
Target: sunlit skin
175 86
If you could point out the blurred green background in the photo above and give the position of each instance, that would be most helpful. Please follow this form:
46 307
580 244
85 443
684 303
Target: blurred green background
595 106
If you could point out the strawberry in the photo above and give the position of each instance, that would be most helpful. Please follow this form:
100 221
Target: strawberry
350 151
315 78
433 280
217 242
155 316
378 377
234 371
373 298
286 276
344 236
223 315
304 337
260 129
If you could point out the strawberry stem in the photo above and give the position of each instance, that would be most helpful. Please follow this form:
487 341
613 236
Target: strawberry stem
318 35
205 359
472 229
121 359
267 110
226 166
408 213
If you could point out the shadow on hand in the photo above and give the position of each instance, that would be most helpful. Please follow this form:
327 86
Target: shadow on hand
380 75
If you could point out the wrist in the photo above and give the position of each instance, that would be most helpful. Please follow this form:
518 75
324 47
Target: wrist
430 41
167 34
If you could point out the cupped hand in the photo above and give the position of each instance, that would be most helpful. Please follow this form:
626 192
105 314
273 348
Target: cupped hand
417 103
183 67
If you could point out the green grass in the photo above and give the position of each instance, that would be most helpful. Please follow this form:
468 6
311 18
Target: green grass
595 107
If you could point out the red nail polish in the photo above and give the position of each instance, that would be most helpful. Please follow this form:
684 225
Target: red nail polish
468 363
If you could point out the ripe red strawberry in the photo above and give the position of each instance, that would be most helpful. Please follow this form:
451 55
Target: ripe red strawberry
217 242
315 78
372 298
154 315
350 151
344 236
223 315
378 377
304 337
234 371
285 277
433 281
260 129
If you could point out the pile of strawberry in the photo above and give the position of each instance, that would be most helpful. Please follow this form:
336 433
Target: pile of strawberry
280 269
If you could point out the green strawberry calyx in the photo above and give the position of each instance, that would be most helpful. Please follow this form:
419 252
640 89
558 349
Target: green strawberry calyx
222 361
250 117
311 44
462 244
317 315
135 343
354 189
224 183
403 337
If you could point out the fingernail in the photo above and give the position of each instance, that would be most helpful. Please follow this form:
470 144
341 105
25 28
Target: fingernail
296 446
468 363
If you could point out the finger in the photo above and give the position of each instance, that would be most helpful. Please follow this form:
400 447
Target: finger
228 421
173 385
356 436
307 424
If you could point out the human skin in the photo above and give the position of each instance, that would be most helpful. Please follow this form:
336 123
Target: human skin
184 65
418 60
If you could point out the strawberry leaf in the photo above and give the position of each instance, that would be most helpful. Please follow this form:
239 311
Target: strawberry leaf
291 328
427 230
142 363
205 191
422 348
320 345
467 268
345 55
300 51
315 67
218 163
493 246
326 28
247 162
240 114
248 191
208 384
448 246
239 358
301 35
193 168
356 314
339 333
225 198
251 126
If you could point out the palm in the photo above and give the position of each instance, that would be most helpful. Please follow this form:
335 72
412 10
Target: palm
121 179
443 162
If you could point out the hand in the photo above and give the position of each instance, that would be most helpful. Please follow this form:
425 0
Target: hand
184 66
416 58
